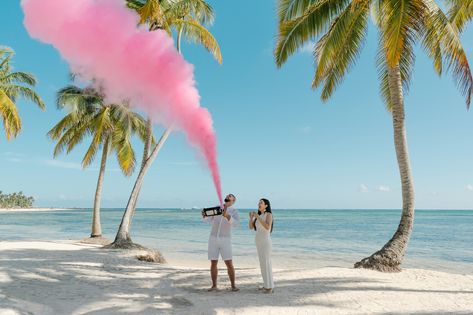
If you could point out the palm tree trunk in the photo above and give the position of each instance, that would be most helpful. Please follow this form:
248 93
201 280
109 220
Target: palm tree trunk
390 257
96 226
149 136
179 36
123 239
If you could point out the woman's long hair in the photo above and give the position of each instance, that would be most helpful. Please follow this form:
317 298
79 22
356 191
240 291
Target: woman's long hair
268 209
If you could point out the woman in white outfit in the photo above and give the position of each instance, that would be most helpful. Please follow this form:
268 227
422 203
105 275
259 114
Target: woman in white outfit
262 222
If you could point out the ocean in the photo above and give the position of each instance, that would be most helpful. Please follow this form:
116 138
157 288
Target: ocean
441 239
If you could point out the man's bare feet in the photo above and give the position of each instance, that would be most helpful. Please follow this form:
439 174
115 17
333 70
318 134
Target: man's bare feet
235 289
267 291
211 289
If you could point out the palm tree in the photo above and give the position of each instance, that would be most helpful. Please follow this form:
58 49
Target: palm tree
340 28
111 127
12 86
185 18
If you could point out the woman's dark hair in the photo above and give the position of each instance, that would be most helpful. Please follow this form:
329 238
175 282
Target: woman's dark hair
268 209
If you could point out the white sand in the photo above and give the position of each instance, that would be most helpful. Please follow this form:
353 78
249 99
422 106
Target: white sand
69 278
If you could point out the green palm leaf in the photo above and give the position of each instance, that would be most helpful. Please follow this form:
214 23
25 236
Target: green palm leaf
15 91
461 11
195 32
339 48
315 19
290 9
12 86
19 77
10 117
448 38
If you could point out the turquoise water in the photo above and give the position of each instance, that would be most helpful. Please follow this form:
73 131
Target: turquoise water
442 239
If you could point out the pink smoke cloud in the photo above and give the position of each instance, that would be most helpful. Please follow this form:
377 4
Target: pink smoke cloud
102 42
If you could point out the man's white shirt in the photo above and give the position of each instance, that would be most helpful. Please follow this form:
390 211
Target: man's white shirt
221 227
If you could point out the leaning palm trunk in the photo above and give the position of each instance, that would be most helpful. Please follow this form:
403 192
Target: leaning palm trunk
96 226
149 136
123 239
390 257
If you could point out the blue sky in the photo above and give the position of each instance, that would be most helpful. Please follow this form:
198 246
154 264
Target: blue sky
276 139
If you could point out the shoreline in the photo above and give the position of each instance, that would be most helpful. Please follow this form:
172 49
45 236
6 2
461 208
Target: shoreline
94 280
199 209
36 209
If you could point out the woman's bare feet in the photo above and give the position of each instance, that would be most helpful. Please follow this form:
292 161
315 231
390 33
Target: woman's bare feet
211 289
266 291
235 289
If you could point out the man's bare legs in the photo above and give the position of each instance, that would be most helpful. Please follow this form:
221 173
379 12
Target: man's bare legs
231 274
214 274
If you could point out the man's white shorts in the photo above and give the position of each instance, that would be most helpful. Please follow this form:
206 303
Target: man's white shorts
222 246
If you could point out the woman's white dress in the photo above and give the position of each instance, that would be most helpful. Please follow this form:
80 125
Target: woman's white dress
264 247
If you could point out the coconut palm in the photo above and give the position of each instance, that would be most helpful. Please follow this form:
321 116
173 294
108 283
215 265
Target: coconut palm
12 86
339 28
15 200
111 127
185 18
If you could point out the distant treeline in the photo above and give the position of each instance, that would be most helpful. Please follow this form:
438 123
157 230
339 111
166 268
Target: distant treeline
15 200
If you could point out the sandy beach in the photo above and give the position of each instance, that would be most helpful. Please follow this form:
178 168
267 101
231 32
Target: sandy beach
67 277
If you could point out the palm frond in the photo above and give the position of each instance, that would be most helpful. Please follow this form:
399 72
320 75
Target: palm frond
460 12
134 4
195 32
290 9
10 117
79 99
431 42
448 38
6 54
200 10
139 125
99 126
73 134
91 153
340 47
14 91
315 19
401 26
64 124
18 77
124 152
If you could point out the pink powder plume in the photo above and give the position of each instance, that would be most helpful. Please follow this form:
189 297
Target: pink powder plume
102 42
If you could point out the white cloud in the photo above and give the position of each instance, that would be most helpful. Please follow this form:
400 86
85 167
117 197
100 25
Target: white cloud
383 188
308 48
469 187
14 160
62 164
12 154
13 157
363 188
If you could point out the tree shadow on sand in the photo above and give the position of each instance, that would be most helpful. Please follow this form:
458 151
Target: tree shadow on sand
99 281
